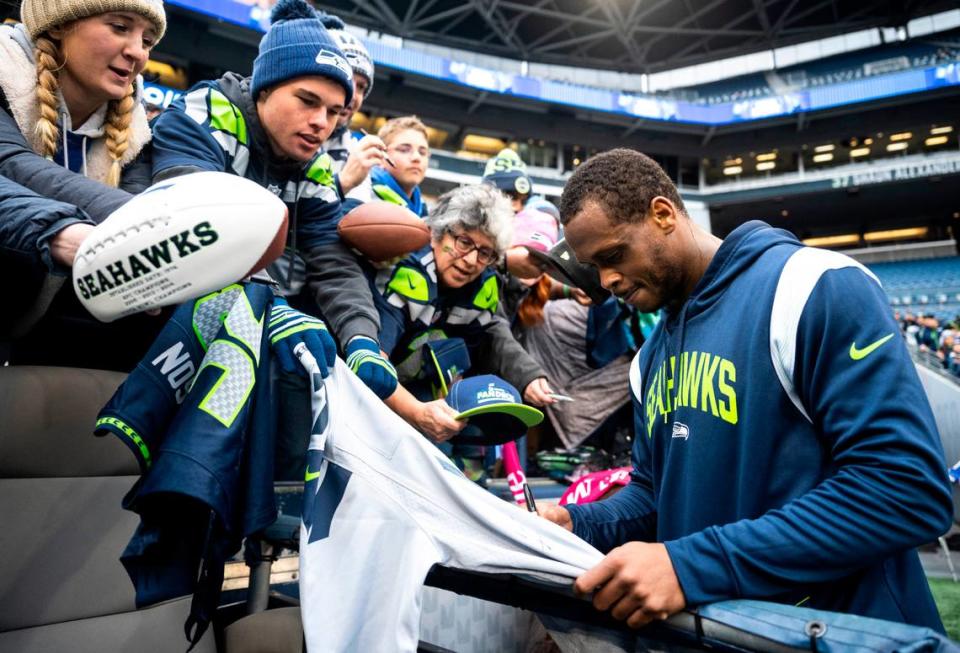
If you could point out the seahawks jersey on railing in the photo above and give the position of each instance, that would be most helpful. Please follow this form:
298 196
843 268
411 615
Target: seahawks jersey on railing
381 506
196 413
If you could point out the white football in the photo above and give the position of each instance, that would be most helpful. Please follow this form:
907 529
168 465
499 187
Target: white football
178 240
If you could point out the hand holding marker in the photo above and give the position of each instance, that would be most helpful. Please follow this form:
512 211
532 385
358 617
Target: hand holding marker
385 157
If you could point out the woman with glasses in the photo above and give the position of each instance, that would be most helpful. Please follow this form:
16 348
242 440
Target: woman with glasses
448 289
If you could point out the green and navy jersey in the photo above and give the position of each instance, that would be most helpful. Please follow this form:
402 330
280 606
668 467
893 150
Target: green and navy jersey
784 448
214 126
197 414
415 309
196 378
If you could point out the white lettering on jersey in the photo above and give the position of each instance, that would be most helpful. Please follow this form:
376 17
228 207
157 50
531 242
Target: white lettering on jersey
175 364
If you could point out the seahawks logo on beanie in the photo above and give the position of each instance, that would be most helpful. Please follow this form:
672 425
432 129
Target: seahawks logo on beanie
506 161
328 58
508 172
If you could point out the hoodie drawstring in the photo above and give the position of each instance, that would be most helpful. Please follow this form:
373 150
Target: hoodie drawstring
63 134
66 145
83 155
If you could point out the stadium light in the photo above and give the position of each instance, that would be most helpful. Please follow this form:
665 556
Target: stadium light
946 129
935 140
827 241
167 74
895 234
896 147
822 158
902 136
767 165
483 144
860 151
824 148
733 170
733 162
767 156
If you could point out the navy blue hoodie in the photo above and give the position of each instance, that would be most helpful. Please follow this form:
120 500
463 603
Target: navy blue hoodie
785 449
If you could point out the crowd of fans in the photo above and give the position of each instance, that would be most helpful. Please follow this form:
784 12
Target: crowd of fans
933 338
78 143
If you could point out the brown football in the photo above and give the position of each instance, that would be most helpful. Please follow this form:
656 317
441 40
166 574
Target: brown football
382 231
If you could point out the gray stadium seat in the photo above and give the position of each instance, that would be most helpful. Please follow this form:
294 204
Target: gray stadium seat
62 587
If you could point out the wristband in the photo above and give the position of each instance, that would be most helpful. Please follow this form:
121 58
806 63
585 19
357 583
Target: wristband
566 291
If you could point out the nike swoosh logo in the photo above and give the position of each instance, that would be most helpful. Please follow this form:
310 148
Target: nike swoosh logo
858 354
309 476
413 286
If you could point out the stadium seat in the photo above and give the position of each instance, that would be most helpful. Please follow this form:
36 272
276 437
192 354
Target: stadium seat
931 283
62 587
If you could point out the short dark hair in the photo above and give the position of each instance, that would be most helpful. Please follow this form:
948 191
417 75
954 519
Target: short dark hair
623 182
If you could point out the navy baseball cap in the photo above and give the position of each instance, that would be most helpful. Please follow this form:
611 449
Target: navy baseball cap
494 409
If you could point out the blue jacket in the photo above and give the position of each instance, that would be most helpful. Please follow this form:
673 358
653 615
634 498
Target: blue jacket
30 221
386 188
784 445
215 126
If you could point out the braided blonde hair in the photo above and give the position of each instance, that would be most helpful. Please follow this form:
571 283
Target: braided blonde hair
50 61
119 117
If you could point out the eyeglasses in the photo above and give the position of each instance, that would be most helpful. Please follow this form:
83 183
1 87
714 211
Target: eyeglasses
465 245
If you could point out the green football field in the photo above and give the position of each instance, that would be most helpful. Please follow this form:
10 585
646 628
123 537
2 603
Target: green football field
947 595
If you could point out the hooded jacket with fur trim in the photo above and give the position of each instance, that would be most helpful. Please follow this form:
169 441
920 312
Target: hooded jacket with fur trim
85 142
26 236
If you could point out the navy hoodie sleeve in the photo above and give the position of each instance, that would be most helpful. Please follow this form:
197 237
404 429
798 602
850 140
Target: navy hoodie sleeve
887 489
631 514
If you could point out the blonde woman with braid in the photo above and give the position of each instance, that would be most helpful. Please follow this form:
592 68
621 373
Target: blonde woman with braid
72 126
70 79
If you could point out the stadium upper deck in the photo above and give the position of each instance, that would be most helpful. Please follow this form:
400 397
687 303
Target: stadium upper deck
877 116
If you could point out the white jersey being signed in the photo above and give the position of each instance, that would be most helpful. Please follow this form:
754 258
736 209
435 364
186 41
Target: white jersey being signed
381 506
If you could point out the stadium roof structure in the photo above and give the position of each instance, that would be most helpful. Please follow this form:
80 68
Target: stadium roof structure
635 36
